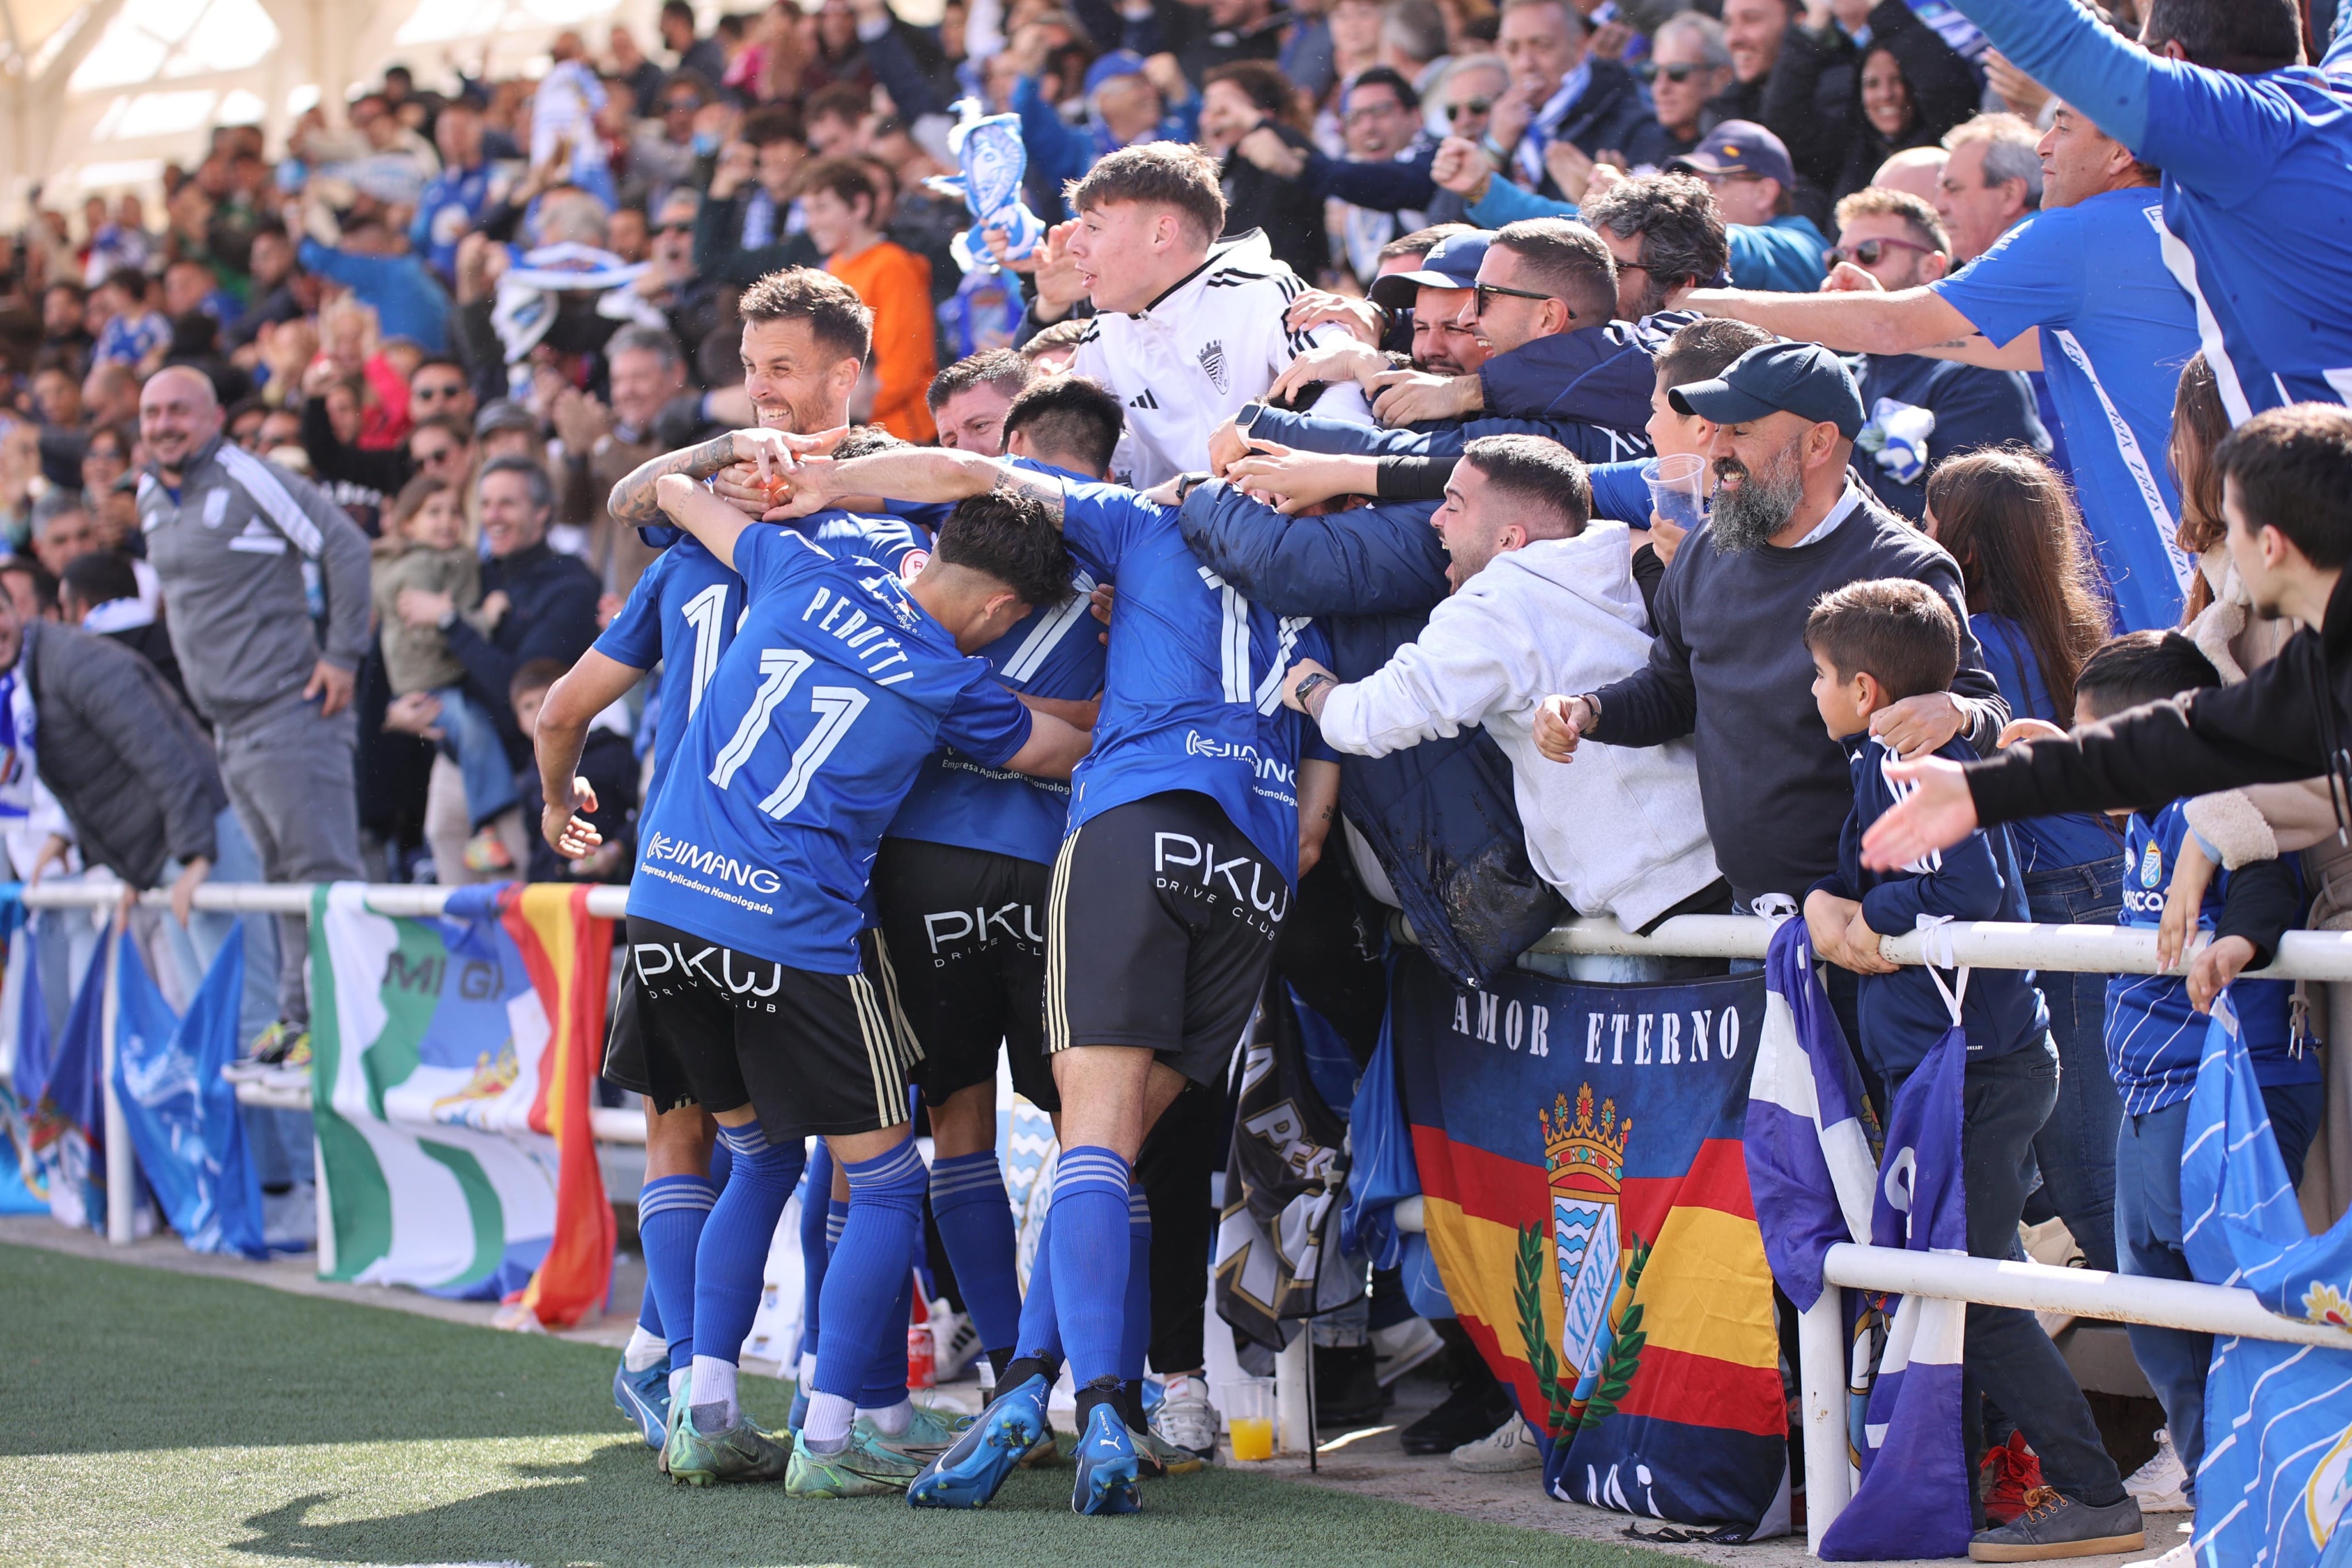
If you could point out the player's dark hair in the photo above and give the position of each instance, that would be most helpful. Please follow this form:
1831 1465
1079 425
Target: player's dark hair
1705 349
2242 36
1072 422
1537 473
2141 667
535 675
1167 173
1002 369
865 441
1895 629
836 317
1568 261
1682 238
1011 538
2293 468
101 575
1390 78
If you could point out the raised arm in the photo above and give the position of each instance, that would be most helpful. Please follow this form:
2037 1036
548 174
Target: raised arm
710 520
1851 322
927 473
633 504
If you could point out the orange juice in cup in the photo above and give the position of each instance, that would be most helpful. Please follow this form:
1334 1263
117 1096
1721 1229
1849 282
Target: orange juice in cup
1248 1406
1253 1436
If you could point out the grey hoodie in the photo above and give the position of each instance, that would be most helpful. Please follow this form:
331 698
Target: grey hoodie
236 548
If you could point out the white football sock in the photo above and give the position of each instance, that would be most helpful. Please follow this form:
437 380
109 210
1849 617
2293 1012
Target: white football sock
642 1350
826 1428
892 1419
714 1383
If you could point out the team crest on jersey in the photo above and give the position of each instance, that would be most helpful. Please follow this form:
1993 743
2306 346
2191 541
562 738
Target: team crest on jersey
2151 868
911 564
1212 360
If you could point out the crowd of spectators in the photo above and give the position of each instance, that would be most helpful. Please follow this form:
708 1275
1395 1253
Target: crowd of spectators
306 457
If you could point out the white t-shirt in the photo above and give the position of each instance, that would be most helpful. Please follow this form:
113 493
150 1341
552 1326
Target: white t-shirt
1188 360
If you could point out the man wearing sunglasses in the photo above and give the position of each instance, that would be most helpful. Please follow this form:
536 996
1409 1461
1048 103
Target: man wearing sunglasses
1900 243
1688 64
2089 272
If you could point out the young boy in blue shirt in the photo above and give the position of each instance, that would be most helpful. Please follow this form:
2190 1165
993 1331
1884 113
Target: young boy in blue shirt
1875 644
2157 1025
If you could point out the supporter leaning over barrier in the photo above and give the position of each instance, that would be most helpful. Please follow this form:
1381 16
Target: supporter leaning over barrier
2007 519
1728 666
230 536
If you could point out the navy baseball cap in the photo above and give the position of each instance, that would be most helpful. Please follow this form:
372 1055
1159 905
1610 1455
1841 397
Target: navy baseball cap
1740 147
1452 263
1803 379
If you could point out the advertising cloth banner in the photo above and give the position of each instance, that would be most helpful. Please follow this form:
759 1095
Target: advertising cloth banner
2275 1487
453 1061
180 1112
1586 1197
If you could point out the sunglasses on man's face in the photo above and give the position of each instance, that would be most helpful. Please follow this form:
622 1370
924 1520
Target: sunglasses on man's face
1871 252
1469 106
1482 295
682 227
1676 74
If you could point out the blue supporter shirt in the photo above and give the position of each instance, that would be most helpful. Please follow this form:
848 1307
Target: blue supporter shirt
1057 651
1621 492
2043 843
2116 328
449 210
2257 183
838 686
2154 1036
1192 693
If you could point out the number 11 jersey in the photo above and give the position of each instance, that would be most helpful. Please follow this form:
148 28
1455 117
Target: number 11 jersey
837 689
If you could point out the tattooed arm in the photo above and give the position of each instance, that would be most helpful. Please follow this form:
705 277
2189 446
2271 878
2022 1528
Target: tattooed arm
926 473
1859 320
633 505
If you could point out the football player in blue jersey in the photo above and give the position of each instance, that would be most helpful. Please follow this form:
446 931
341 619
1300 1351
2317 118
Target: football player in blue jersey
1188 825
804 337
761 989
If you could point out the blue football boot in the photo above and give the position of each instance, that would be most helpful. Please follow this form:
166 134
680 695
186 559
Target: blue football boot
643 1399
975 1465
1107 1465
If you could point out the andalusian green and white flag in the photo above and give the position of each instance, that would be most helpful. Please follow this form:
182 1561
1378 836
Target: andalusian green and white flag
428 1038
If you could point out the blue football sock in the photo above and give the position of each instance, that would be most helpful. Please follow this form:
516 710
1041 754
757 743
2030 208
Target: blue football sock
887 1378
869 1267
649 1309
1134 1318
1090 1246
816 1204
672 1212
730 1265
1040 1335
975 1218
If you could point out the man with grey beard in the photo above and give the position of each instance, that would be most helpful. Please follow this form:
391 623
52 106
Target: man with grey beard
1728 665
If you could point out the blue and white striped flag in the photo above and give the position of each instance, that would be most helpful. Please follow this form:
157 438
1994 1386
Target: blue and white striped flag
2275 1487
1914 1499
1808 1165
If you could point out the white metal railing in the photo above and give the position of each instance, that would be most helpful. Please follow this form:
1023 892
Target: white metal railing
1822 1350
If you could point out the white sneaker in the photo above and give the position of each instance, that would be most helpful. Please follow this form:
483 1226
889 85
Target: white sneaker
2156 1484
1403 1346
1509 1447
954 1341
2180 1556
1185 1417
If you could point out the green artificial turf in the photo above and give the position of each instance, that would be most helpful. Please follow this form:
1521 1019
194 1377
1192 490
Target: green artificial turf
155 1417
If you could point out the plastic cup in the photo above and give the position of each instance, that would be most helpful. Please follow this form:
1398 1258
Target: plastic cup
1677 488
1248 1407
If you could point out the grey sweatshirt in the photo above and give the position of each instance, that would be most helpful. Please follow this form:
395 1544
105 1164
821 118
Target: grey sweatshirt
1728 666
232 547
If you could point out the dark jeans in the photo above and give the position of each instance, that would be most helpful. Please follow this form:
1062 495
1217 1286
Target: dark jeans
2076 1147
2007 1100
2148 1239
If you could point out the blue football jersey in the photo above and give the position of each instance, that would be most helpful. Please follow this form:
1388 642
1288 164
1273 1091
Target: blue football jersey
681 615
1192 696
838 686
1057 651
2154 1036
686 620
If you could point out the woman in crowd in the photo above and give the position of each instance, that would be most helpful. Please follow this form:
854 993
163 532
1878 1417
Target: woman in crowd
2009 522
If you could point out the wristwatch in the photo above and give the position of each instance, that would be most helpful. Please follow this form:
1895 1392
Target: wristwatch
1188 483
1299 693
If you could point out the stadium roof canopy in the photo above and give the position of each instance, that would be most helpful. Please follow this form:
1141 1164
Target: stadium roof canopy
98 95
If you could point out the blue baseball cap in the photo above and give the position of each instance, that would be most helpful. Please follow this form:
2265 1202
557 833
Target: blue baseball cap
1452 263
1803 379
1740 147
1117 63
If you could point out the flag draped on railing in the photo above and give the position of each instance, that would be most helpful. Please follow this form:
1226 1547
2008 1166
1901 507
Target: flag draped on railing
2275 1487
454 1059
